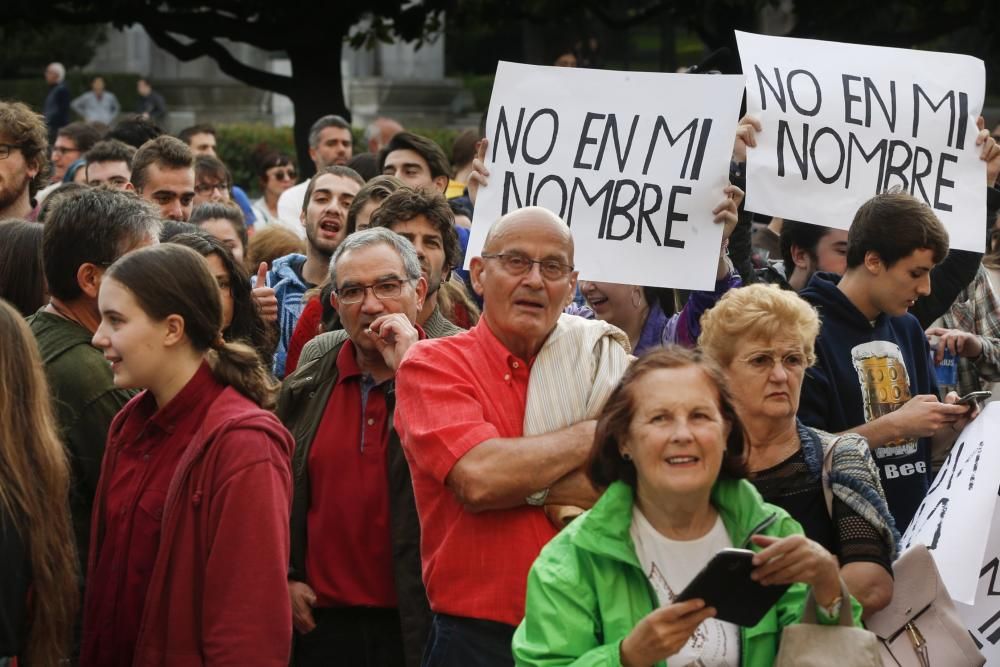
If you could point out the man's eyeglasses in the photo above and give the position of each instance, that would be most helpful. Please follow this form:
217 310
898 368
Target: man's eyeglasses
208 188
5 150
284 175
517 264
385 289
62 150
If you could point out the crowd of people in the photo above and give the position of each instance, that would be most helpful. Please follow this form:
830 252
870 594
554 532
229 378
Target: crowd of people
295 430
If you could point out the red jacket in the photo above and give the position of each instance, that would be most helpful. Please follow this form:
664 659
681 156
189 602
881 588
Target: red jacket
218 593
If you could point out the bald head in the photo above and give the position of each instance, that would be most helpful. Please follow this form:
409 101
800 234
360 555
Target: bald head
528 221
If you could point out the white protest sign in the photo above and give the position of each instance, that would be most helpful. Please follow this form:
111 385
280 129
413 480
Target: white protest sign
634 162
954 518
843 122
983 618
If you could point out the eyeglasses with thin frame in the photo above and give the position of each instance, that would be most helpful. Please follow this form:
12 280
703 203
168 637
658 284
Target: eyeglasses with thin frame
208 188
764 362
284 175
517 264
384 289
62 150
5 150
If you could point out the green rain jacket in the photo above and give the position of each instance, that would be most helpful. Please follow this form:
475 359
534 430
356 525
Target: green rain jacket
587 590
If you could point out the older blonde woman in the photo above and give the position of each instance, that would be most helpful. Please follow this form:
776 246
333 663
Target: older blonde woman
764 340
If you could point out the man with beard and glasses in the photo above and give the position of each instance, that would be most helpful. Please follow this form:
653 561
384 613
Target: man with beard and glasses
324 217
23 162
425 219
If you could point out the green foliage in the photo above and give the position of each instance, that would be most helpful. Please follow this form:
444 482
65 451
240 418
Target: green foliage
481 87
33 91
240 145
26 47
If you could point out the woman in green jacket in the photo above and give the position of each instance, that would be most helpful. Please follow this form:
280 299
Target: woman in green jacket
669 449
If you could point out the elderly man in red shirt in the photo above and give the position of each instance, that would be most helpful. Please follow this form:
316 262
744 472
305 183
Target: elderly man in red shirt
479 482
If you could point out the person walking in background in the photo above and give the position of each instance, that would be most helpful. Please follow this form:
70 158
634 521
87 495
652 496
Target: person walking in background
151 105
38 593
97 104
56 107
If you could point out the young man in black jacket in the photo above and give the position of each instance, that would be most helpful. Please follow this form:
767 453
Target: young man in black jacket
873 373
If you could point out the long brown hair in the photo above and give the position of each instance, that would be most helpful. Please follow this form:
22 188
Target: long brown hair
34 491
171 279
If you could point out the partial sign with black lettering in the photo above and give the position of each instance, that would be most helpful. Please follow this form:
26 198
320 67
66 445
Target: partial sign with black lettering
955 519
843 122
634 162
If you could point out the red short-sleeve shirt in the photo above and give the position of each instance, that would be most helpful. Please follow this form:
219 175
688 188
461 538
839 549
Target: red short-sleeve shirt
451 395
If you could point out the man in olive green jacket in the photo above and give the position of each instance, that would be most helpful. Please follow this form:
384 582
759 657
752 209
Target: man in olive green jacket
84 234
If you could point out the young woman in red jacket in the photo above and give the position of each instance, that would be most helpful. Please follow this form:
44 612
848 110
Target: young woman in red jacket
38 563
189 543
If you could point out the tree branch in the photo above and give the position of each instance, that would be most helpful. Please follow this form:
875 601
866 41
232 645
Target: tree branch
227 63
201 24
897 35
641 16
197 24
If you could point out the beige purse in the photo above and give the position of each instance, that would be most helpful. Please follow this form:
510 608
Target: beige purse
808 644
921 627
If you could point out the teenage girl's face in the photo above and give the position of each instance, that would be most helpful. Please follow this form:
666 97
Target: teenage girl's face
130 340
224 281
223 230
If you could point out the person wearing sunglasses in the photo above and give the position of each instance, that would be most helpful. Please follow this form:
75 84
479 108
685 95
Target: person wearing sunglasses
276 173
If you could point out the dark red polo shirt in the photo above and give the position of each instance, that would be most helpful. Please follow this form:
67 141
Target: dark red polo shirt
349 546
151 444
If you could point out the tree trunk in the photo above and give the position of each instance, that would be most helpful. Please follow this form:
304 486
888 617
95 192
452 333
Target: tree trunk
317 90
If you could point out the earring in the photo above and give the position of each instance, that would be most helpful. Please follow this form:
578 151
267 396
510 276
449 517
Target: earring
627 457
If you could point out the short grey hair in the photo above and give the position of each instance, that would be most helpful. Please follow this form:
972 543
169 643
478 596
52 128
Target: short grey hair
332 120
376 236
59 70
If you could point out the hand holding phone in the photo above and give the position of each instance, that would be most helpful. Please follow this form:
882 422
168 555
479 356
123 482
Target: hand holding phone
725 584
973 398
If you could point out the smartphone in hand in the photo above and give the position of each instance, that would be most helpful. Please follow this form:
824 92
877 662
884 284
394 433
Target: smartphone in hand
725 584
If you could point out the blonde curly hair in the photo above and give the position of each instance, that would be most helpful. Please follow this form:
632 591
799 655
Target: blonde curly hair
757 312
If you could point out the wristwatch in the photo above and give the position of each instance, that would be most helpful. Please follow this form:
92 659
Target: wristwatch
537 499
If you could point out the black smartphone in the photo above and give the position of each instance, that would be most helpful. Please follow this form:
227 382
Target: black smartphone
973 397
725 584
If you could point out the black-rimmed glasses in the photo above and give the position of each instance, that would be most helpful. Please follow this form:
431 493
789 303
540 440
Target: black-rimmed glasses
384 289
5 150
